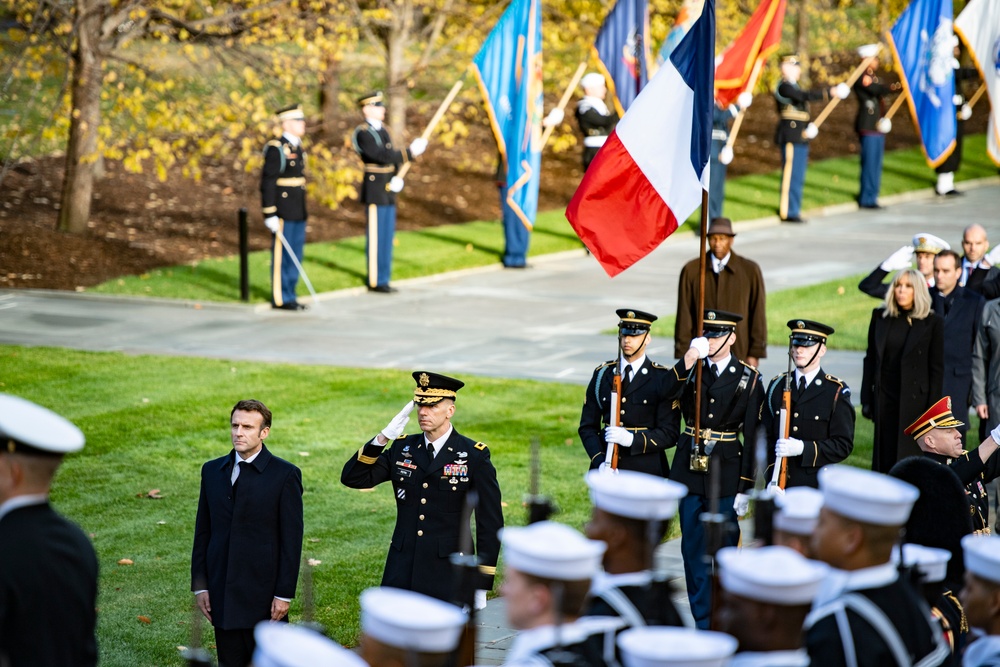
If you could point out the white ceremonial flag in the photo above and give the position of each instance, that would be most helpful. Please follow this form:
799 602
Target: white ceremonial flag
979 27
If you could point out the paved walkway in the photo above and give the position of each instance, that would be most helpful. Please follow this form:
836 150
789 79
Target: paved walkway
544 323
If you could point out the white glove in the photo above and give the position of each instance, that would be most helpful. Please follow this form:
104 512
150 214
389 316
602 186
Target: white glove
395 428
418 146
554 118
901 259
741 504
993 257
995 434
884 125
966 112
726 155
396 184
480 599
618 435
606 469
786 447
745 99
811 131
273 223
842 90
700 344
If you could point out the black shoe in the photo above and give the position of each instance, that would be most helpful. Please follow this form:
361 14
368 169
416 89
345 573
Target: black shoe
383 289
294 305
873 207
793 218
517 266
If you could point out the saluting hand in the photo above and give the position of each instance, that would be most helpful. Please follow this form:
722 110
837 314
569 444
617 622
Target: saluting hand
394 429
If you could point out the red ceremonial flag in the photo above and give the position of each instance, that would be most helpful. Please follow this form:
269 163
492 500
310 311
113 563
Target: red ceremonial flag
759 38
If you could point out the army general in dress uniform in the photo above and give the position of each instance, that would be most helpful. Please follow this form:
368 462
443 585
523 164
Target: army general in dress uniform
283 204
431 474
731 396
821 429
382 160
648 422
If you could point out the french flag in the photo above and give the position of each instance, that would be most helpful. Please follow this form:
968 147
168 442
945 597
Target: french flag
649 175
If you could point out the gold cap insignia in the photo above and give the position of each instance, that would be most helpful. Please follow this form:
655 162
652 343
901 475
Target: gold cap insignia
949 403
921 240
424 380
800 324
630 315
711 315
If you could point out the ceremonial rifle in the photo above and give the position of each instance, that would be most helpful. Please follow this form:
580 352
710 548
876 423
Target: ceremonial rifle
780 474
195 655
540 507
466 567
611 456
308 606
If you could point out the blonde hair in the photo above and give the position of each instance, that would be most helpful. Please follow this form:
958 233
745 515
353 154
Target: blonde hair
921 295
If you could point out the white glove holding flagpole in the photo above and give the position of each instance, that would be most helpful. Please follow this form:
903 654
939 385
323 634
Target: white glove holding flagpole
745 99
884 125
842 90
726 155
395 184
811 131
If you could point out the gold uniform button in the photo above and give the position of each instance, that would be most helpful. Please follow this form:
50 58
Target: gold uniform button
711 400
425 485
624 399
284 194
421 517
796 414
623 412
644 402
292 163
423 501
420 533
710 415
795 428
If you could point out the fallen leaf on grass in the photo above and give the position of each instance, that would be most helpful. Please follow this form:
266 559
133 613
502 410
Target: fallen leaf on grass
126 561
154 494
145 619
313 562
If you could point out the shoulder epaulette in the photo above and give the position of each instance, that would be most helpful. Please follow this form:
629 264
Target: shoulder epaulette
778 378
481 446
605 364
660 366
749 366
835 379
402 436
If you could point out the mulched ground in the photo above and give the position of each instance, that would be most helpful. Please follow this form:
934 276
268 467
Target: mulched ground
138 223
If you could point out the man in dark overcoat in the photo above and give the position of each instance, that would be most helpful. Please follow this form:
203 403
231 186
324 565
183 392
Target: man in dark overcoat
821 419
432 473
48 568
732 283
247 536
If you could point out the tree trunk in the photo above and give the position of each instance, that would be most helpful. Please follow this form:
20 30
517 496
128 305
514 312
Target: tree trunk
329 95
802 35
398 40
81 151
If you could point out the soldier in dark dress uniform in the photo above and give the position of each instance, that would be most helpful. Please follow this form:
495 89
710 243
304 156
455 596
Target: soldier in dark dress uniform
283 204
431 474
596 120
866 615
720 157
794 133
648 423
821 428
48 568
936 433
631 514
730 405
945 171
382 161
548 568
871 94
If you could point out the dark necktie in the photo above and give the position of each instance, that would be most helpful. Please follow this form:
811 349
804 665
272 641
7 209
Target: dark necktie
243 470
802 384
626 377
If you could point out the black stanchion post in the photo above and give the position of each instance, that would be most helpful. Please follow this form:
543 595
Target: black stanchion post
244 251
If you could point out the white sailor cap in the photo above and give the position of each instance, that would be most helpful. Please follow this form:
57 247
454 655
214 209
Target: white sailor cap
409 620
666 646
777 575
866 496
982 556
931 562
592 79
28 428
551 550
798 510
635 495
924 242
284 645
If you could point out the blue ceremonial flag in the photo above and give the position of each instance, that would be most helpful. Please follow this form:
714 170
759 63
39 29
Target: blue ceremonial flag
622 46
509 70
922 43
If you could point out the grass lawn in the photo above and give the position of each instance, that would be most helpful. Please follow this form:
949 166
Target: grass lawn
151 422
341 264
838 303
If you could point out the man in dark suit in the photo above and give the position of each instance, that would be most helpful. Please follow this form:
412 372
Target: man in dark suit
283 204
962 311
431 474
647 423
821 419
382 161
976 267
247 536
48 568
866 611
731 396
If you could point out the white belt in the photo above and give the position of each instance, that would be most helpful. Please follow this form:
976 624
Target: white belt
595 142
719 135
